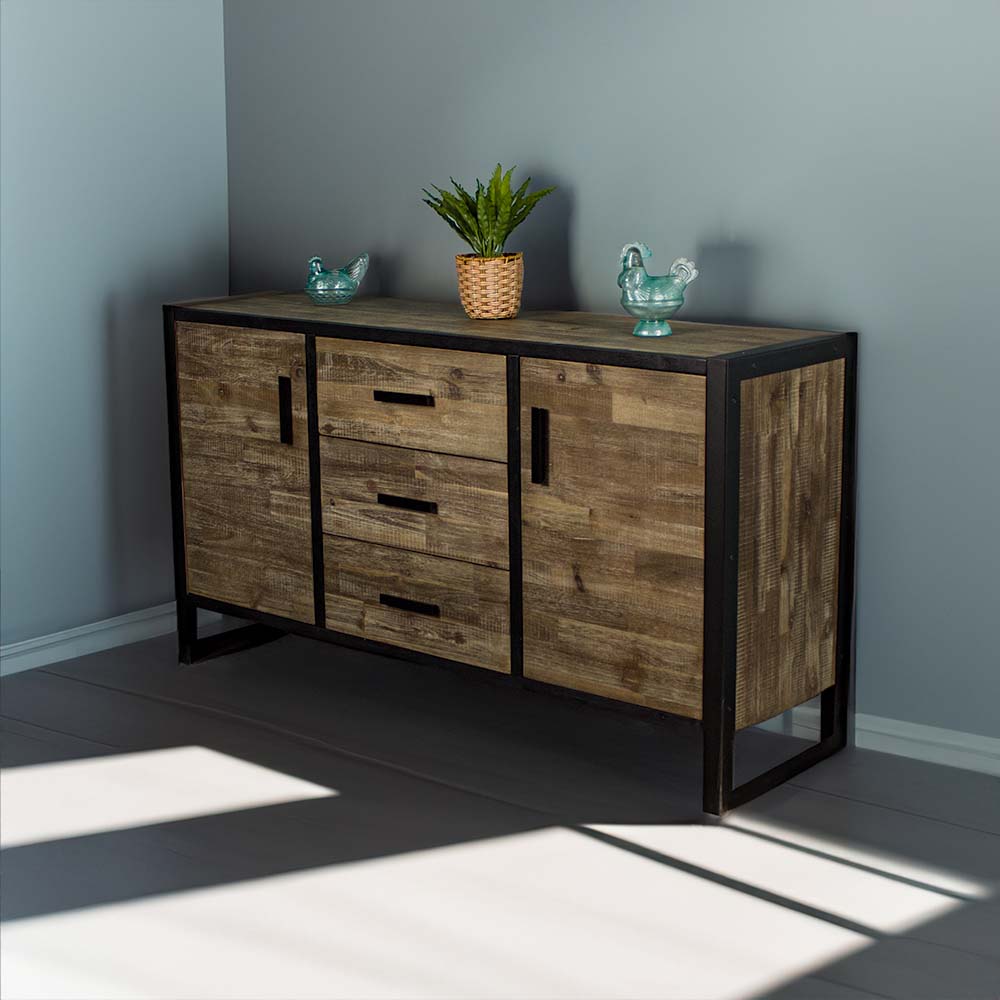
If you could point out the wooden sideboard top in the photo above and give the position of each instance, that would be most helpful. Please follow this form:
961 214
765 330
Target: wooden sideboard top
586 333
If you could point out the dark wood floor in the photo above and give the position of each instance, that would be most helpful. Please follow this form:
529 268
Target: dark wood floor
382 829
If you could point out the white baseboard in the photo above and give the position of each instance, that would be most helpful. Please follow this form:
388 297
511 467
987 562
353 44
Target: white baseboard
905 739
133 627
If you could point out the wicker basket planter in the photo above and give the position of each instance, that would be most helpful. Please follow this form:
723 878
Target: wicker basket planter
490 287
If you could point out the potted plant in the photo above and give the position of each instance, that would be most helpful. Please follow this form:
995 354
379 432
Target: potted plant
489 280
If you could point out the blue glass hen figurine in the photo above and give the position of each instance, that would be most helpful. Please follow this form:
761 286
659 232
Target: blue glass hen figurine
652 299
335 287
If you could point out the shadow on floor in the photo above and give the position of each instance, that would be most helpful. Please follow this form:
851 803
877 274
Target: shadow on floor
424 758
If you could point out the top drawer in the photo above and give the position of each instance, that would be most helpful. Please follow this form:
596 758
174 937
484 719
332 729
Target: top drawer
413 397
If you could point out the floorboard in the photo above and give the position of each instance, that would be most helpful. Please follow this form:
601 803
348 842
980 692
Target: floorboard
934 791
459 838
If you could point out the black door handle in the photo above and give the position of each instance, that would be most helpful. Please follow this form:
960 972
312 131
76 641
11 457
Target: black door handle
540 445
407 503
405 604
409 398
285 408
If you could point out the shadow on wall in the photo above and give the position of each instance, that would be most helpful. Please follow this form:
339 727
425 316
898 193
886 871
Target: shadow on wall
544 238
137 491
727 270
136 515
385 275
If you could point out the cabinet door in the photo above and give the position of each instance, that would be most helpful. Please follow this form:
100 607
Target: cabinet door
245 468
613 474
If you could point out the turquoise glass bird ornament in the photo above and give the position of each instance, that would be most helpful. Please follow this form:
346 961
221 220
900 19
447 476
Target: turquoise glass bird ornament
652 299
331 288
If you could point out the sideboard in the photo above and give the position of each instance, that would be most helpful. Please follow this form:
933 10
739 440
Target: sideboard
667 523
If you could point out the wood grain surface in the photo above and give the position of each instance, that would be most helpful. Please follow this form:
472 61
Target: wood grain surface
469 519
579 329
791 446
473 620
246 495
469 392
614 543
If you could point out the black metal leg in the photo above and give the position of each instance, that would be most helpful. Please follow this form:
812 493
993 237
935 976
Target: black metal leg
833 737
245 637
191 649
187 630
721 542
828 713
721 795
514 515
718 765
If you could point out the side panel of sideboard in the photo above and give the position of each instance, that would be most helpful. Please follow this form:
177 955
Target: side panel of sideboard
791 453
779 565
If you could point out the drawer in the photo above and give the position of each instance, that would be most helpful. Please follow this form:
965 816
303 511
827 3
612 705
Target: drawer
445 505
459 611
415 397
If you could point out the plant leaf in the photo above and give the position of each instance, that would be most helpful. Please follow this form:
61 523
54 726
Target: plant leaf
447 218
456 208
517 200
470 202
503 210
454 212
485 219
483 216
496 235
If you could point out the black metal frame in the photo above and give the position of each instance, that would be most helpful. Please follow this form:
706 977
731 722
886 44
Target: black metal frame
722 477
514 515
315 478
724 375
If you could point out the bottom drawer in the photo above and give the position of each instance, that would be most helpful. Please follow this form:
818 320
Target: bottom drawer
459 611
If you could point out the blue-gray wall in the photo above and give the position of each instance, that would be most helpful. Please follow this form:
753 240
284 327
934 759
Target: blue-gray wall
113 201
827 164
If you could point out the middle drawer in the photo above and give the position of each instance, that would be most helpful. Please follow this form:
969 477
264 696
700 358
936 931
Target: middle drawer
417 500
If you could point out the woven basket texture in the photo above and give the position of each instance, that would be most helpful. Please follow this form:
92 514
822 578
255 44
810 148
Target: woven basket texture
490 287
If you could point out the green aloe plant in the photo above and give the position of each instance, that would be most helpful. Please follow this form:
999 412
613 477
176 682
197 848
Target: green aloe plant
485 220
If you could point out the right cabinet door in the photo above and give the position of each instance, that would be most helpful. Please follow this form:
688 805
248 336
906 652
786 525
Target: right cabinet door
613 514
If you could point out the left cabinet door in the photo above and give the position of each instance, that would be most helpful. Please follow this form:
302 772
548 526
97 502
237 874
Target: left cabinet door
245 468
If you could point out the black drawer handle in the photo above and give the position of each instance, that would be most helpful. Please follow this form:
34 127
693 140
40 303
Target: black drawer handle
285 408
405 604
540 445
407 503
409 398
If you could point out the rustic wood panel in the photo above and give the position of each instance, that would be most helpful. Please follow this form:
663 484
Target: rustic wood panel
246 495
473 624
791 444
470 520
469 414
611 332
614 544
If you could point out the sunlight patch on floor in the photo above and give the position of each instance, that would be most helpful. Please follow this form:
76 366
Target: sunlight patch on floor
551 913
877 902
79 797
